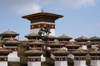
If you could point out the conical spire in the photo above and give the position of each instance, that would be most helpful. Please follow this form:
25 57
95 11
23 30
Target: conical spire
8 29
11 38
33 32
80 48
0 46
72 42
60 48
64 34
55 40
82 36
94 35
96 49
34 47
42 10
36 39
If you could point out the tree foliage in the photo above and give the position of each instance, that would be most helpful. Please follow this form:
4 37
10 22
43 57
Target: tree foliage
44 32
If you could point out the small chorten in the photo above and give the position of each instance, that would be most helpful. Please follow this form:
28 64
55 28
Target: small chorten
64 38
34 56
60 57
95 41
4 56
82 41
95 57
80 57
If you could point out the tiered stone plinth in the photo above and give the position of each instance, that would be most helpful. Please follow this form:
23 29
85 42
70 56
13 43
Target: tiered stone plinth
33 36
60 57
79 61
54 46
95 57
12 44
82 41
34 57
40 45
61 61
94 44
95 60
34 61
72 46
83 44
95 41
13 57
4 56
3 61
64 39
80 57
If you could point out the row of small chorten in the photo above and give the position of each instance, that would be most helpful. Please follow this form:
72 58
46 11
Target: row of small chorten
59 52
60 38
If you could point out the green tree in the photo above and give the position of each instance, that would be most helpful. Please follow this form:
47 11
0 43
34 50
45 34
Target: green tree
44 32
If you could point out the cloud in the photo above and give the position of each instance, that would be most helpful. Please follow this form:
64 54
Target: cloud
23 7
26 9
79 3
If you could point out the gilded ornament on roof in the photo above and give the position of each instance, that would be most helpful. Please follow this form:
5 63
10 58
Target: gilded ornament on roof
32 26
42 10
8 29
44 25
38 25
52 26
11 38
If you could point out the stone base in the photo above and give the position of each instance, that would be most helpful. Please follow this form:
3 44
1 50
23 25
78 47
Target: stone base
34 63
95 62
43 58
84 47
14 59
80 63
93 46
61 63
3 63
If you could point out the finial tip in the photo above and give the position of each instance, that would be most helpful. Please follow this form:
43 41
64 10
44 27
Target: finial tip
8 29
42 10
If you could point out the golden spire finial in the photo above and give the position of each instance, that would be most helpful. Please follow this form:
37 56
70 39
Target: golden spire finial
96 49
8 29
11 38
94 35
33 32
60 48
36 39
55 40
0 46
82 36
64 34
34 47
42 10
80 48
72 42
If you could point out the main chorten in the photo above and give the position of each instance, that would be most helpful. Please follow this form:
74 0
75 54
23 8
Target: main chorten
42 19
